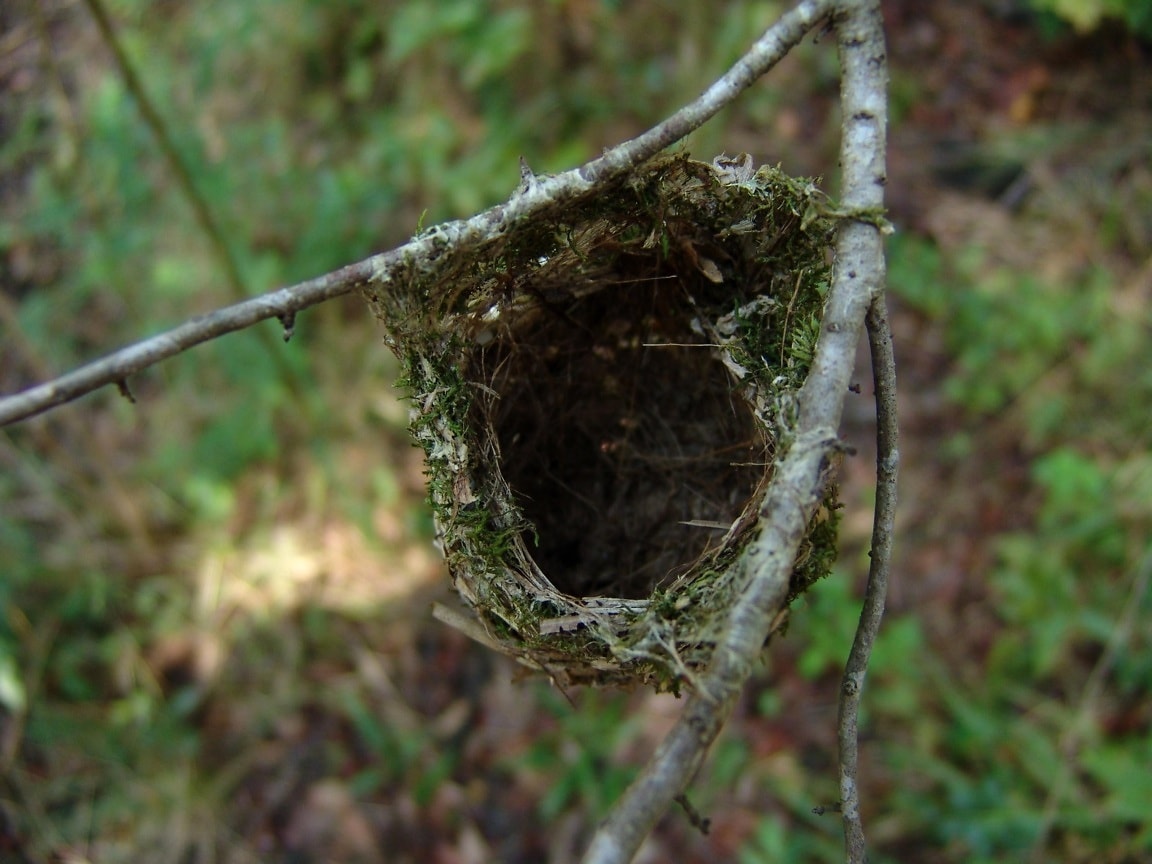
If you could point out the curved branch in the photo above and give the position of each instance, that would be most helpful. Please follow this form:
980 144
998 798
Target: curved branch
766 566
796 487
533 196
887 467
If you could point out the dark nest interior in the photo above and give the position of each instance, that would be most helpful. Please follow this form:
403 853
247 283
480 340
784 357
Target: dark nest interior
619 435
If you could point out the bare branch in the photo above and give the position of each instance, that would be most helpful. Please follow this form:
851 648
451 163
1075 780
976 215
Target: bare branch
767 566
534 195
887 466
128 361
796 486
864 82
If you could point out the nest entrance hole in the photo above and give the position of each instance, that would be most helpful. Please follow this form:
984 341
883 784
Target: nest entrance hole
616 426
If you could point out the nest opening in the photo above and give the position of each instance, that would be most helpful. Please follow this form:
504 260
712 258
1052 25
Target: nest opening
620 435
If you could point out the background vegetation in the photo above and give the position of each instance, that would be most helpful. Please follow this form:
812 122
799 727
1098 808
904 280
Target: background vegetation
215 643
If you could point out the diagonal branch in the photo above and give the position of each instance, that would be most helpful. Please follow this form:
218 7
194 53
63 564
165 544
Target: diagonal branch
460 236
796 487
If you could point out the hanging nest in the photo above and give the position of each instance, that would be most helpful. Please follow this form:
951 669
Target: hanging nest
600 393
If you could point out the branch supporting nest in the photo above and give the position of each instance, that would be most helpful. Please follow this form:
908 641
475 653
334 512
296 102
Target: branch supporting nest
453 237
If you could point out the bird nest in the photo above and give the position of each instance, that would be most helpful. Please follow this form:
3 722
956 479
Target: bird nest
600 393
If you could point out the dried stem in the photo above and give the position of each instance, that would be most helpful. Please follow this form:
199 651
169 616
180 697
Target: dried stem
210 226
176 162
796 487
887 466
118 366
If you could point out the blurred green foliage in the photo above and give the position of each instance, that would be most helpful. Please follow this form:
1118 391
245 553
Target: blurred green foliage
318 133
1019 757
582 756
1085 15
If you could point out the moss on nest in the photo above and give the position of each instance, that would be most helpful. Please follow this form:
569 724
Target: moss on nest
600 394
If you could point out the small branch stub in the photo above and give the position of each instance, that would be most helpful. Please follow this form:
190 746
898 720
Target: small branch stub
124 390
288 323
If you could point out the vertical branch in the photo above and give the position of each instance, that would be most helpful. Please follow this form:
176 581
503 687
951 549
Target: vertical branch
765 567
887 465
864 82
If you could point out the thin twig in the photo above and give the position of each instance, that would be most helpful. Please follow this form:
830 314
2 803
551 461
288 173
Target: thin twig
796 489
205 217
458 237
887 466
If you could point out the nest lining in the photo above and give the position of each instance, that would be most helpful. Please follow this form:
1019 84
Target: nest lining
600 395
